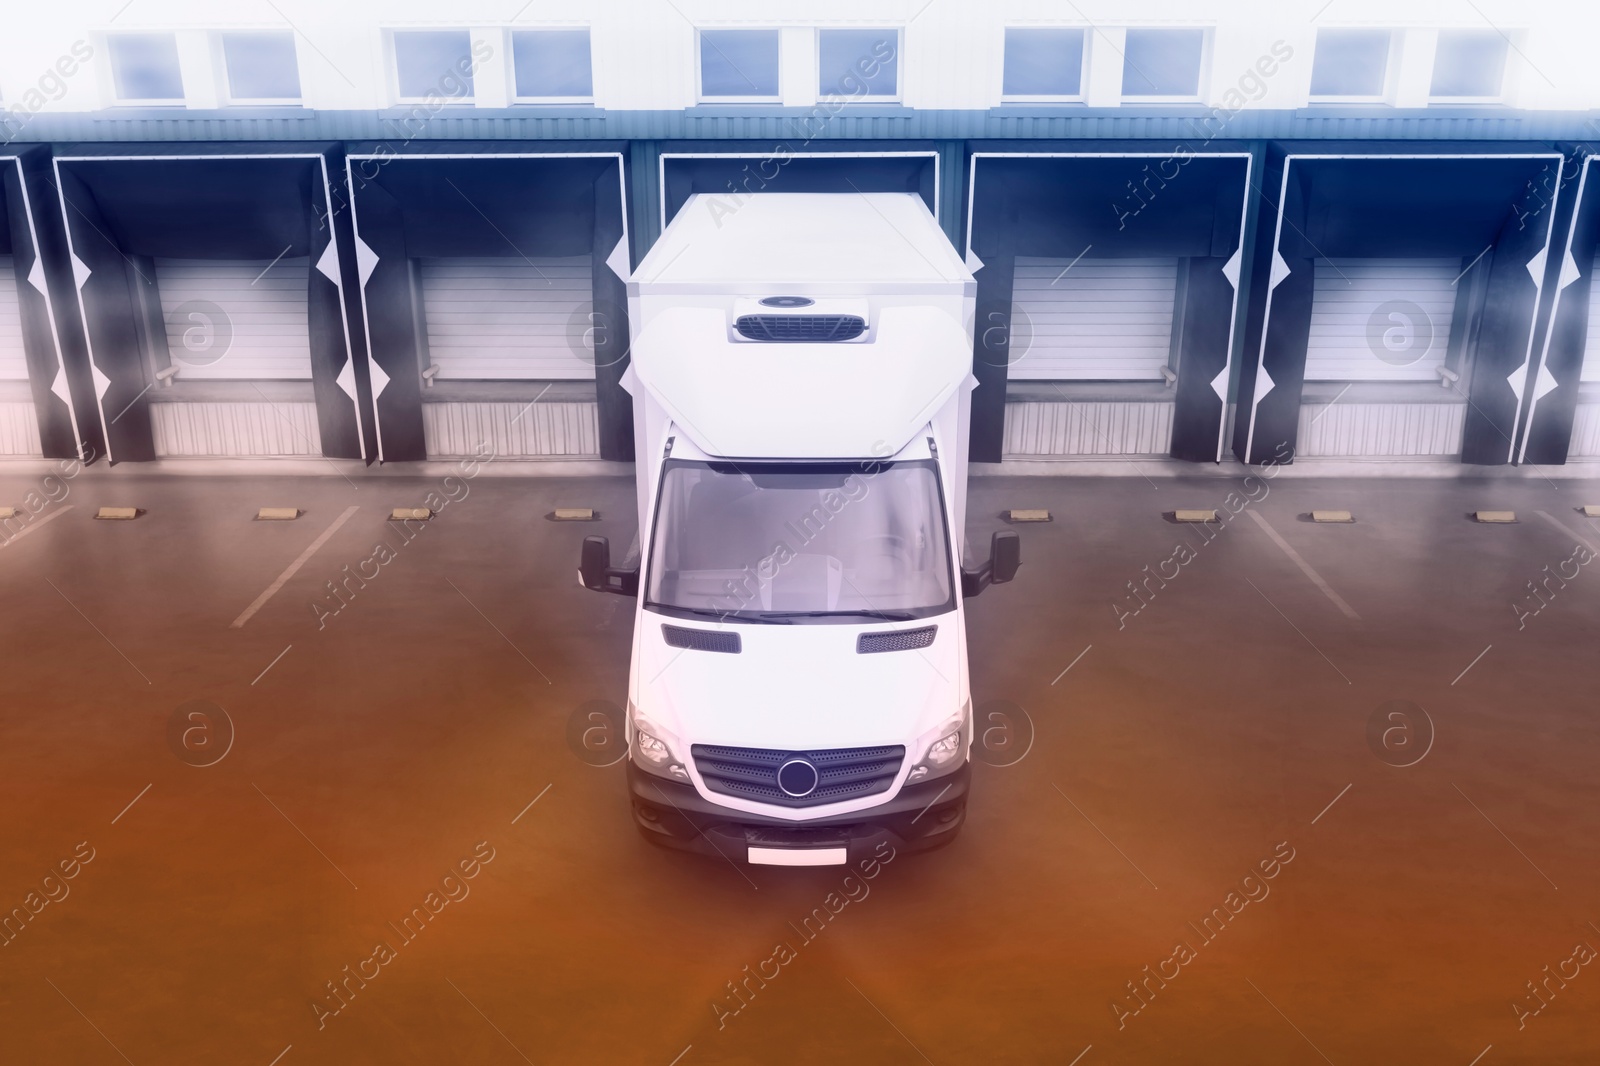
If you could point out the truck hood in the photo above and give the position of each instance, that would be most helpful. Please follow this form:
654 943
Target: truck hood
799 687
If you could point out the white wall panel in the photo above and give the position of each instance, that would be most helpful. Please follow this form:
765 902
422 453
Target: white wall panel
265 308
1586 432
507 318
13 359
1350 324
1380 430
195 429
511 430
19 430
1093 319
1087 428
1591 349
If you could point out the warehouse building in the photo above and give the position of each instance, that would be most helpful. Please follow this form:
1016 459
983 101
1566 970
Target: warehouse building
1355 235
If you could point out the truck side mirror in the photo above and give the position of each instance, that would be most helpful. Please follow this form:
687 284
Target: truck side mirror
596 572
1005 555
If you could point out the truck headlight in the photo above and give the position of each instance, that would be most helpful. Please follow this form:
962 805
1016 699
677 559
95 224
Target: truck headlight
653 748
942 749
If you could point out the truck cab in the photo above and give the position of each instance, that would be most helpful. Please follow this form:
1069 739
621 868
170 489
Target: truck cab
798 691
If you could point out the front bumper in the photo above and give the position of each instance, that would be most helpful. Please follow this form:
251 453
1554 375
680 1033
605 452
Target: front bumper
918 817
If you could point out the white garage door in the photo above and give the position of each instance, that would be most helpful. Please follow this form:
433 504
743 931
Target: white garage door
1381 319
507 318
13 361
1093 319
236 319
1591 351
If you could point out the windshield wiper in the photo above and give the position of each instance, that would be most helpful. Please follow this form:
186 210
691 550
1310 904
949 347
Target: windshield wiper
718 616
884 616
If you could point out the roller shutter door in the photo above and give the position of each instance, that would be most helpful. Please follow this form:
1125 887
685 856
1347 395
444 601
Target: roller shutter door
13 360
1365 320
507 318
263 318
1591 350
1093 319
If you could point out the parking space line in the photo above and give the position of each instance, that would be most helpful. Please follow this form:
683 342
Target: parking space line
29 529
293 568
1297 629
1548 517
1305 568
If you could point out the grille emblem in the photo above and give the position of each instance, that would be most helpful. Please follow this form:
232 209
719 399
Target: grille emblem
797 778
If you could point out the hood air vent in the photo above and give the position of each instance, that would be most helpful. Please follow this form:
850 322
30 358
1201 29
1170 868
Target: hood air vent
800 328
899 640
701 639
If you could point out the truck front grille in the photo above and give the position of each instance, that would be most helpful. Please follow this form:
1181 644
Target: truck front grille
793 328
840 773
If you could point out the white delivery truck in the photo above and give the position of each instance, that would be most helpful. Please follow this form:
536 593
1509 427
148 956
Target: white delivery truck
801 376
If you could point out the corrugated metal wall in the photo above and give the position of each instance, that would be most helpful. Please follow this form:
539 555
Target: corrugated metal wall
1591 351
1088 428
13 359
1381 430
859 121
19 430
1586 431
511 430
194 429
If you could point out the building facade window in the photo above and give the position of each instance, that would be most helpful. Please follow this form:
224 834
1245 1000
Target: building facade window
859 63
1043 63
437 62
1163 64
1469 65
552 66
739 65
144 68
260 67
1351 65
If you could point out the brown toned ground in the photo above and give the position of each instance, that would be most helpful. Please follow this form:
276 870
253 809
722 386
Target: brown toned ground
1176 754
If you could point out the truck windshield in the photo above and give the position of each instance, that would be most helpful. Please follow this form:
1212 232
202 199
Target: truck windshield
788 543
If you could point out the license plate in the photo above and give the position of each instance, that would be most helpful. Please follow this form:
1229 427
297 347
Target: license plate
798 856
